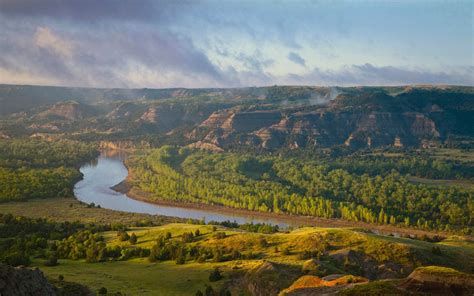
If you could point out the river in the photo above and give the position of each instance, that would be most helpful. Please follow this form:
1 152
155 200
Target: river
108 170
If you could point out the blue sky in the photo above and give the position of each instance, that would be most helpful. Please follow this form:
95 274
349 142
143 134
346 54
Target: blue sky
149 43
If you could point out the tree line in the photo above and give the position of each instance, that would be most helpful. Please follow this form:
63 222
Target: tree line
300 187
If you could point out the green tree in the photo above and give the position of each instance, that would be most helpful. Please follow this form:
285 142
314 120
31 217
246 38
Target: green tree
133 238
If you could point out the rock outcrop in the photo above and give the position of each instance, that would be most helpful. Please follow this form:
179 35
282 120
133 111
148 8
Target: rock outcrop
269 278
435 280
312 285
21 281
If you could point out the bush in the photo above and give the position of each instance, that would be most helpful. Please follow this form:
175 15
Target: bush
436 251
123 236
180 260
188 237
102 291
215 275
220 235
51 261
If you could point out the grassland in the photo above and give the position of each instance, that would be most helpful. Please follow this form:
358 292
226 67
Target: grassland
70 209
466 156
140 277
466 184
136 277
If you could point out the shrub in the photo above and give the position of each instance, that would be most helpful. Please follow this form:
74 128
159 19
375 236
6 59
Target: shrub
102 291
215 275
16 259
188 237
51 261
220 235
123 236
180 260
436 251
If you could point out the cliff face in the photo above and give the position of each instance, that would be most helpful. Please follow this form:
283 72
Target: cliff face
372 123
164 118
67 111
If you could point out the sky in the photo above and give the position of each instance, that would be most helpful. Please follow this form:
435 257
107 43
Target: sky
219 43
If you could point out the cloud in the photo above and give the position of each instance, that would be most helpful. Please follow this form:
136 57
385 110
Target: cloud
161 43
163 58
85 10
296 58
368 74
45 38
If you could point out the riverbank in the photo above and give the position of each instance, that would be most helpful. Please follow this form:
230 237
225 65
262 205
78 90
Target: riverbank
125 187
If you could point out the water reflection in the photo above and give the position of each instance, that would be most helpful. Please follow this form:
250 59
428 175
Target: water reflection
108 170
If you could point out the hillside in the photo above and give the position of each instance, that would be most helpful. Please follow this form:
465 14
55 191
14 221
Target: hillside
250 263
268 118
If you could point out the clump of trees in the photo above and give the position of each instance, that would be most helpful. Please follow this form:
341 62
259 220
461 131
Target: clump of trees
250 227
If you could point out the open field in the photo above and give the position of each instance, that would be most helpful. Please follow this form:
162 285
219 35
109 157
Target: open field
135 277
70 209
453 154
466 184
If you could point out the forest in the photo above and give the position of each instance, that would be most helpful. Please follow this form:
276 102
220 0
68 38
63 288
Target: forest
40 169
346 190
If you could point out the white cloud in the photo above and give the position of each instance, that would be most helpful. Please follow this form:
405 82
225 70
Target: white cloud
45 38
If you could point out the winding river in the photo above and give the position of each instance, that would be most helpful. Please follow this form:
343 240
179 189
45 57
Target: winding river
108 170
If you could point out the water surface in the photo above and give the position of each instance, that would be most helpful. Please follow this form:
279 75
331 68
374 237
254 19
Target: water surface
108 170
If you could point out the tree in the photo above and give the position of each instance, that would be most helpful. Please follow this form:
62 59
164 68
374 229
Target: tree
133 238
210 291
215 275
123 236
102 291
188 237
52 260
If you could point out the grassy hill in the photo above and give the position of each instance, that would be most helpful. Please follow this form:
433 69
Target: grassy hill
262 259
